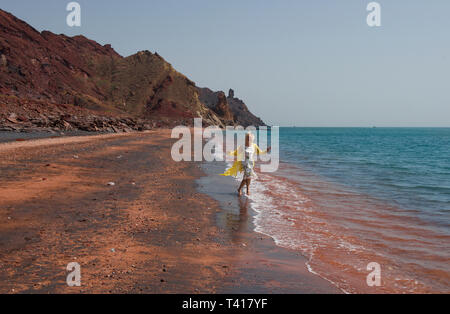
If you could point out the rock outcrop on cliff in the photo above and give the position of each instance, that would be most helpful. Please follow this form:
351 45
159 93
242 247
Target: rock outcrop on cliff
233 108
242 115
217 102
42 67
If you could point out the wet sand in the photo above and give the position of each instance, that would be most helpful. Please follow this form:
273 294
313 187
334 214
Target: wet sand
152 231
261 266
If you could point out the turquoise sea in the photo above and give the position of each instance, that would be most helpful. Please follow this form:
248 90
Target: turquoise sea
347 197
408 167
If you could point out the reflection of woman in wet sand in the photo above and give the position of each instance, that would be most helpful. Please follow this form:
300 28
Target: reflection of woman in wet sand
245 162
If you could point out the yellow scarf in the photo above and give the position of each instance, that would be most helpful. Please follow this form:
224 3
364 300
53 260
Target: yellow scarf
236 168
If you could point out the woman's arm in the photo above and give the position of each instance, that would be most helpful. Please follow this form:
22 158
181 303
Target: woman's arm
233 153
259 151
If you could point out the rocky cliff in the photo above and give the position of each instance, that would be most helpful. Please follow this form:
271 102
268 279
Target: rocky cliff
242 116
234 109
44 68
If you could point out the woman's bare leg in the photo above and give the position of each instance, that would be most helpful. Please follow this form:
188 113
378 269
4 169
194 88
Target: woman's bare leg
240 187
248 186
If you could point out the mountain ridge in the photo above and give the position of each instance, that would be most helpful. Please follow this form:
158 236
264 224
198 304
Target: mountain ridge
58 69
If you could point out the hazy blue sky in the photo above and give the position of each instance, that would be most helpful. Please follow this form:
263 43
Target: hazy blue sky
304 63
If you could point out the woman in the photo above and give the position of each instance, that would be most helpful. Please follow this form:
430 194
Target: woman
245 162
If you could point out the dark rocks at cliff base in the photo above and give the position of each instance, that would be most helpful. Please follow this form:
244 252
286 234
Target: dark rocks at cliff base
32 116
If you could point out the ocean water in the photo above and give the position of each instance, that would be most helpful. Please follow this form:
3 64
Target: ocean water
347 197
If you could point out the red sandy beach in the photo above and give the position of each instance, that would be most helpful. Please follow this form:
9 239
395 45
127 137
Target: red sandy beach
150 232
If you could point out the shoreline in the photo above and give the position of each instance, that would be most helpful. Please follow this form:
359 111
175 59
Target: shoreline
261 265
144 234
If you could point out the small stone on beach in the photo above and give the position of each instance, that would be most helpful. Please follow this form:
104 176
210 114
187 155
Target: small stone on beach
111 184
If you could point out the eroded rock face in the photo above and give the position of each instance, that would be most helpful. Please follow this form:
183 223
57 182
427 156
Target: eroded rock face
236 110
242 115
217 102
222 109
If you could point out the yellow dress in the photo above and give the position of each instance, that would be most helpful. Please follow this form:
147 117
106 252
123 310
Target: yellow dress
237 166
